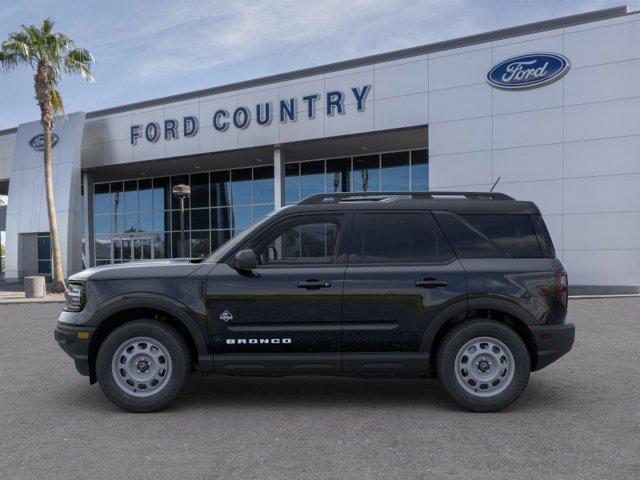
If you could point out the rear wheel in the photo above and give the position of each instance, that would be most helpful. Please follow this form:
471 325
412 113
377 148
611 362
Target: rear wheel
142 365
483 365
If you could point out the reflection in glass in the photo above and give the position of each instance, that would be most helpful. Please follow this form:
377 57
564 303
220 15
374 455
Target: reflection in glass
102 224
260 211
292 183
200 190
145 195
199 244
145 222
420 170
220 189
179 180
337 179
117 223
241 217
131 196
218 237
101 198
102 244
116 197
220 218
200 219
366 173
131 222
263 185
241 186
311 178
395 171
175 220
160 243
161 221
161 194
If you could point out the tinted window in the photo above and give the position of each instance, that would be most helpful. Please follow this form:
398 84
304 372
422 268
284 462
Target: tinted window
467 241
512 233
491 235
543 236
308 241
399 237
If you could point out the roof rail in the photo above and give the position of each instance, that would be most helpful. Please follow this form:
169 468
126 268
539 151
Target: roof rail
386 196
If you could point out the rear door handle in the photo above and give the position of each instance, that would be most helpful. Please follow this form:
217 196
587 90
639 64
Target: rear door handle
313 284
431 283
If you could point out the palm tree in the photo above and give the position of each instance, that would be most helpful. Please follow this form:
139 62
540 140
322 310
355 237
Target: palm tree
49 54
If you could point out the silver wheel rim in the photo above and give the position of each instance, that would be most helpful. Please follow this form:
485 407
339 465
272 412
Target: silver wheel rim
141 366
484 367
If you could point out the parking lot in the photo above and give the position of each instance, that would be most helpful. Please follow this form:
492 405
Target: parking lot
579 418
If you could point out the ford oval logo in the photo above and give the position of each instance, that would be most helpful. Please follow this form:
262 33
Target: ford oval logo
37 142
528 71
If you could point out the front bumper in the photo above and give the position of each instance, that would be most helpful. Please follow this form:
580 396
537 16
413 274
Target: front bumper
552 341
75 341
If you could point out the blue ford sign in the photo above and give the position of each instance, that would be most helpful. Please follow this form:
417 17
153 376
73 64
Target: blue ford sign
37 142
528 71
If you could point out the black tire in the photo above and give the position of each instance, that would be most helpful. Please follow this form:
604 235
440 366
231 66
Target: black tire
452 344
180 361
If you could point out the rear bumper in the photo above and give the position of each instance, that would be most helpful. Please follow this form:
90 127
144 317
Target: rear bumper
77 347
552 341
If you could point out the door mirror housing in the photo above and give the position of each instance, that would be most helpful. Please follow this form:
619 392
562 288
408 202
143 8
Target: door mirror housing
244 260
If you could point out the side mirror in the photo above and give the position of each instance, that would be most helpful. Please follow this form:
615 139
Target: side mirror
244 260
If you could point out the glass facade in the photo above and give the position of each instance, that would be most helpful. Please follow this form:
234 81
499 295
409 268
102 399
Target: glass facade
392 171
140 219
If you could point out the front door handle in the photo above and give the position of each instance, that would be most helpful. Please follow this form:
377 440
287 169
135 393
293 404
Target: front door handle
431 283
313 284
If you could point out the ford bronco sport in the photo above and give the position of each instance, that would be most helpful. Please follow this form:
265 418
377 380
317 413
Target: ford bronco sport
462 286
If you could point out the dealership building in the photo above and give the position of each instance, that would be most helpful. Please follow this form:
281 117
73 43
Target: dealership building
550 111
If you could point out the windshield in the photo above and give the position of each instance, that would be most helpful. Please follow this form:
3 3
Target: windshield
235 241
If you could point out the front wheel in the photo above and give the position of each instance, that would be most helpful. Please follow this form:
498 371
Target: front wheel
483 365
142 365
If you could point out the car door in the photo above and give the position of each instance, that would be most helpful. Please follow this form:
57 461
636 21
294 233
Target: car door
285 316
401 273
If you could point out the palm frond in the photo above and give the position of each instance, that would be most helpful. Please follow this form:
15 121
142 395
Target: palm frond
56 102
78 61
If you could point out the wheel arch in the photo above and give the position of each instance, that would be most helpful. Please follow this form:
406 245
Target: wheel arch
501 310
122 310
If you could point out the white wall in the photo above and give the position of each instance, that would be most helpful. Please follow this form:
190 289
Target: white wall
27 208
6 154
572 146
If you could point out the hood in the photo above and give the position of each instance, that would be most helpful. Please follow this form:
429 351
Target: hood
142 269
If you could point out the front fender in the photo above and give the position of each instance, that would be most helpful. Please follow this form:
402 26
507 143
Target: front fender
194 323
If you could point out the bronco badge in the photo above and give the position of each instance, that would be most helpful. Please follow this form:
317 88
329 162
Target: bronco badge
226 316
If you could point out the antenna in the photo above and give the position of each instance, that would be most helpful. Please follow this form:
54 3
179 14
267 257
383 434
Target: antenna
494 185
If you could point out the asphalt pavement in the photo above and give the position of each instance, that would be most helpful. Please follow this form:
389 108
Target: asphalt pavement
578 419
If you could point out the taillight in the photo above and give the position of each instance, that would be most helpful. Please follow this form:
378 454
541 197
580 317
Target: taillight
562 288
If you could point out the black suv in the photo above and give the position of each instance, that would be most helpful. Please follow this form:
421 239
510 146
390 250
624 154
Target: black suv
462 286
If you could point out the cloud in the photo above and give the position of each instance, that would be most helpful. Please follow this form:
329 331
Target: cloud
202 35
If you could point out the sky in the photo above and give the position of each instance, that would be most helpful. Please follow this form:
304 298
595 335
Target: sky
149 49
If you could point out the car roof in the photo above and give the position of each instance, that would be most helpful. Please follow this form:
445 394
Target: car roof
457 202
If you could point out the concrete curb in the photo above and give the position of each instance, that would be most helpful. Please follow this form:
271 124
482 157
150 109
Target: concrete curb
59 298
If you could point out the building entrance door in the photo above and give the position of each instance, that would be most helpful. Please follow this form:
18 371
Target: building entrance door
129 249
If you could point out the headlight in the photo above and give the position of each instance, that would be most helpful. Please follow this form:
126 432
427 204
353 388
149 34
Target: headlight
75 297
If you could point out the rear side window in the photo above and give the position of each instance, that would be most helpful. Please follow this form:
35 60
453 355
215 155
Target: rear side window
491 235
398 237
544 238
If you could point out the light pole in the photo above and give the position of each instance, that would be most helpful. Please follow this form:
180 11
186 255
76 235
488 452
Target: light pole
181 192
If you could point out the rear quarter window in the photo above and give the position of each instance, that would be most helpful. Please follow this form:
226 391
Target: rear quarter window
491 235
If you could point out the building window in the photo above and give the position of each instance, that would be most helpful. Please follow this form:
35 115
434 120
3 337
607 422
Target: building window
392 171
44 253
140 219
